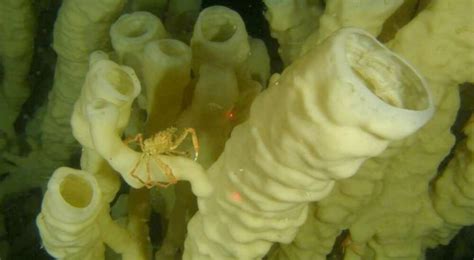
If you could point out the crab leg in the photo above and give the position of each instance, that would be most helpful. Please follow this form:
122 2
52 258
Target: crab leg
138 138
194 138
167 171
133 171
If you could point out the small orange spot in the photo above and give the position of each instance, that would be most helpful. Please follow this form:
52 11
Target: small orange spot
230 115
235 196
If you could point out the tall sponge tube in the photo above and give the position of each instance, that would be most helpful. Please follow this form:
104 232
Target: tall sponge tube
105 82
102 112
68 219
75 223
338 105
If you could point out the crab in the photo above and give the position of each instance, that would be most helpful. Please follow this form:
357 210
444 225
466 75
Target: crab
162 143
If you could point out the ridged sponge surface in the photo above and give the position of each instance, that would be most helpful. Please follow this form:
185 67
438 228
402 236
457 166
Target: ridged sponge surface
335 107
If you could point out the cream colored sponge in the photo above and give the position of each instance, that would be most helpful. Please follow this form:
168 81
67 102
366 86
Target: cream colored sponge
101 113
68 219
338 105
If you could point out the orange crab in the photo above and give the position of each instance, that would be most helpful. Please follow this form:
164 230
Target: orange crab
164 142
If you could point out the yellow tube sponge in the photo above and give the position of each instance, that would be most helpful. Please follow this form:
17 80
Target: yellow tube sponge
73 42
317 123
107 142
17 31
387 206
166 73
214 95
220 48
131 32
101 114
81 27
108 82
74 222
218 102
405 201
453 195
291 22
68 219
369 15
219 37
